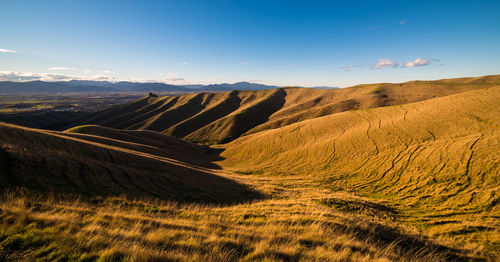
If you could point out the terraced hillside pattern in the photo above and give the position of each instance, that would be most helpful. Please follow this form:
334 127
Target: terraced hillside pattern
378 172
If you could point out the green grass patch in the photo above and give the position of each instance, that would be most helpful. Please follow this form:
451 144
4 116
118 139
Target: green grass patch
80 129
377 89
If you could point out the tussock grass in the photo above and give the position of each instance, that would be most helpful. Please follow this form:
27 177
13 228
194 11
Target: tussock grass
115 229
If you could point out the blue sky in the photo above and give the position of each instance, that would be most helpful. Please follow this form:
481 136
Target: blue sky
306 43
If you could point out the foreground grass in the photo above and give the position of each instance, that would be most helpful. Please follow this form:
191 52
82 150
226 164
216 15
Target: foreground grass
295 223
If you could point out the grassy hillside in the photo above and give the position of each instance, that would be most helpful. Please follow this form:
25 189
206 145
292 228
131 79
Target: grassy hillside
436 161
91 213
380 172
44 120
149 142
45 161
213 118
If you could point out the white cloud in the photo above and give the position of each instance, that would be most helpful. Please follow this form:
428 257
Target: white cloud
181 63
421 62
106 71
27 76
386 62
100 78
56 77
7 51
244 63
24 76
18 76
87 71
403 22
417 62
62 68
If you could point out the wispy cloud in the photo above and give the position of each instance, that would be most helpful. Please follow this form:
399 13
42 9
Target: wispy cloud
212 80
173 79
2 50
420 62
348 68
27 76
24 76
403 21
385 62
181 64
244 63
62 68
18 76
389 63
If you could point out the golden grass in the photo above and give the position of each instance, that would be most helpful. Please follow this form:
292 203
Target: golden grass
435 161
412 182
284 228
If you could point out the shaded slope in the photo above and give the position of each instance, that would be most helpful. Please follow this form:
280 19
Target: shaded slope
434 159
221 117
147 141
238 122
50 161
44 120
229 103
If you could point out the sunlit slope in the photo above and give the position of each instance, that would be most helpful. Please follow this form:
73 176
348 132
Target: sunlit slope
213 118
47 161
439 157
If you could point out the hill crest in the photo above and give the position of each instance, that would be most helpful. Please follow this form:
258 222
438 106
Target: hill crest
213 118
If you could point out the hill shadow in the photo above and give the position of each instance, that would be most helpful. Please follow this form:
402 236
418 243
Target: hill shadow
158 144
406 243
60 164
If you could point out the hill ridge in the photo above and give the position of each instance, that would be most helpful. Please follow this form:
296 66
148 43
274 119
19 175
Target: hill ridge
211 118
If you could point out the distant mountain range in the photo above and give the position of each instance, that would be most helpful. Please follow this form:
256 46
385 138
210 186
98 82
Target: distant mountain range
235 86
73 86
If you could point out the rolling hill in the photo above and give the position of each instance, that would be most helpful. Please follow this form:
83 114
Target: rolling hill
435 160
43 120
377 172
213 118
86 165
88 196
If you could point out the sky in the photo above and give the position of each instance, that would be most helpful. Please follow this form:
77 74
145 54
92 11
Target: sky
295 43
